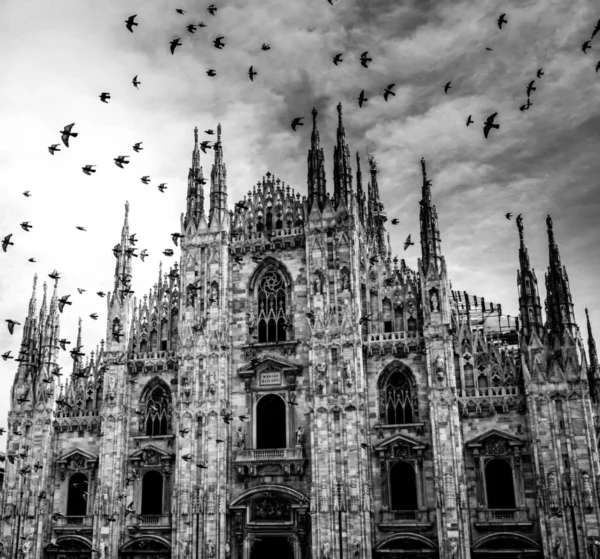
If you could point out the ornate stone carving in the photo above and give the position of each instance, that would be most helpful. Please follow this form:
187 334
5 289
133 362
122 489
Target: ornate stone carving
452 548
241 437
326 551
269 508
586 490
324 496
439 367
300 436
553 492
559 547
210 549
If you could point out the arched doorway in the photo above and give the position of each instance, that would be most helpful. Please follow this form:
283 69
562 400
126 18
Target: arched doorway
506 545
403 487
152 493
271 422
272 547
146 548
71 548
500 488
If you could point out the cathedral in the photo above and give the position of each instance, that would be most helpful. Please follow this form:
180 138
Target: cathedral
293 390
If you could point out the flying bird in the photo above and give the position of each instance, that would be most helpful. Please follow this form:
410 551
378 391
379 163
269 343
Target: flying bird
408 242
201 24
388 91
100 293
89 169
540 73
252 73
395 221
338 58
64 301
526 106
11 324
143 254
174 44
364 59
531 88
6 242
598 66
180 11
135 82
26 226
54 275
129 22
104 97
80 228
265 46
120 161
27 194
162 187
6 355
53 148
508 215
489 124
168 252
447 87
502 19
596 29
81 290
211 72
586 46
469 120
146 179
94 316
138 147
212 9
191 28
362 99
66 134
296 122
175 236
32 260
488 48
218 42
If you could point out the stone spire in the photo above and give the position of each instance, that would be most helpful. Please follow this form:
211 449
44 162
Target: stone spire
360 195
559 306
430 234
124 255
316 168
594 369
378 215
218 186
195 192
530 307
342 173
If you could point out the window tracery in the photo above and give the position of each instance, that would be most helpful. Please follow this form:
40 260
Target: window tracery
271 308
398 406
157 412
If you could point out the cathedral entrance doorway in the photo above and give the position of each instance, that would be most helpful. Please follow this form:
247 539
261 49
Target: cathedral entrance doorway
272 547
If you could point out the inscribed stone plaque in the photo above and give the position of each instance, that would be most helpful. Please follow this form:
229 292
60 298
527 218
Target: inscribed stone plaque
267 379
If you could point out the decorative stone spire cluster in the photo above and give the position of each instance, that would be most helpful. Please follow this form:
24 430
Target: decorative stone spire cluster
377 216
218 186
430 233
317 183
360 195
123 266
195 192
342 173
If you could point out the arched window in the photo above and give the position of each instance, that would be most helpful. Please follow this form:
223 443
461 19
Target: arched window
398 399
269 221
499 484
157 412
388 324
259 226
279 224
164 335
77 496
152 493
403 487
153 340
143 345
271 422
174 317
272 322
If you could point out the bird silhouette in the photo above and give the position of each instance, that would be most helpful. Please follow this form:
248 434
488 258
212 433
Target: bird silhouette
191 28
388 91
251 73
265 46
364 59
138 147
81 290
204 145
586 46
598 66
54 275
129 22
508 215
27 194
64 301
63 343
540 73
11 324
218 42
162 187
212 9
210 132
32 260
135 82
6 355
174 44
447 87
469 120
26 226
408 242
104 97
211 72
531 88
338 58
526 106
145 179
296 122
94 316
596 29
168 252
180 11
53 148
362 99
66 134
489 124
88 169
6 242
80 228
395 221
175 236
100 293
501 20
121 160
488 48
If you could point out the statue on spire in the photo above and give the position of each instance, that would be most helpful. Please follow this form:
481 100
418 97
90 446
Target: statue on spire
424 170
219 132
520 225
196 134
314 114
549 223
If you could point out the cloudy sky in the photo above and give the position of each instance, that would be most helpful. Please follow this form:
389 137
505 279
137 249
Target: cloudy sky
59 56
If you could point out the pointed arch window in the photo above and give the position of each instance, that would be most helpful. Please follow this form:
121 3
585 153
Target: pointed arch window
398 405
157 412
272 307
174 317
164 335
153 340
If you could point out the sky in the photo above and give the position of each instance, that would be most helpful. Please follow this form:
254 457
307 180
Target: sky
59 56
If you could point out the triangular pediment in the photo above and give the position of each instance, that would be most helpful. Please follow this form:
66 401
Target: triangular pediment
494 435
151 449
399 440
270 363
78 458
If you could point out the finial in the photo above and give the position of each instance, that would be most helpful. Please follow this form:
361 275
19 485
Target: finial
219 132
126 209
314 113
549 222
520 225
587 315
423 168
372 164
339 110
196 134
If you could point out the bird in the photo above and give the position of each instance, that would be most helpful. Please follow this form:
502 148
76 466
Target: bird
296 122
526 106
176 236
502 19
338 58
184 432
174 44
162 187
120 161
64 301
395 221
63 342
26 226
104 97
212 9
53 148
252 73
6 355
180 11
586 46
138 147
80 228
54 275
596 29
488 48
508 215
408 242
447 87
94 316
191 28
100 293
218 42
11 324
364 59
489 124
66 133
81 290
32 260
201 465
388 91
265 46
135 82
145 179
204 145
129 509
27 194
6 242
129 22
211 72
540 73
210 131
531 88
89 169
598 66
362 99
366 318
143 254
168 252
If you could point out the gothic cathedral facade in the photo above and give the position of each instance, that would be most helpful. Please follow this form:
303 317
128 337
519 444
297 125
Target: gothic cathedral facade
291 390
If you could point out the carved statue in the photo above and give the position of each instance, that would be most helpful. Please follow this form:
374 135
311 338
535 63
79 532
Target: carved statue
211 548
227 550
112 387
439 367
553 491
452 548
345 281
105 503
586 490
435 302
326 550
318 285
559 547
450 492
214 294
324 496
594 547
241 438
356 550
251 321
300 436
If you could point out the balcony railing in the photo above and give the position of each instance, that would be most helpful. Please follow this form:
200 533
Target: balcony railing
154 519
401 517
500 517
75 521
270 453
391 337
